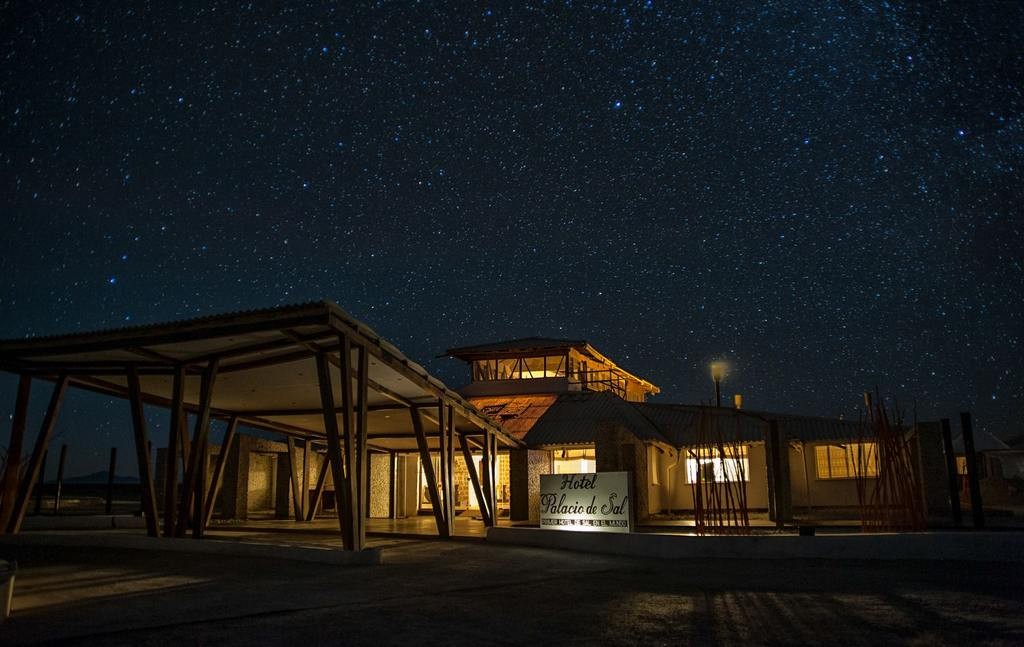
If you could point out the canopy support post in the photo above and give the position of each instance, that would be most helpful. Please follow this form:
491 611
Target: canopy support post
428 472
318 489
9 486
474 478
195 477
294 477
218 470
174 443
333 442
35 465
142 453
360 499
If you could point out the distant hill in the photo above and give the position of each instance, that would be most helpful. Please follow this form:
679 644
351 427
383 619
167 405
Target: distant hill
98 477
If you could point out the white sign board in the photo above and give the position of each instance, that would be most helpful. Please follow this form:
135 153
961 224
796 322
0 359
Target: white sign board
598 502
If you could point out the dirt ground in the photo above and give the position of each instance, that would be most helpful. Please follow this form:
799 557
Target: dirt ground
432 592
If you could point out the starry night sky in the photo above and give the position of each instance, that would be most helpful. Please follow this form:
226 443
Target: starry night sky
827 194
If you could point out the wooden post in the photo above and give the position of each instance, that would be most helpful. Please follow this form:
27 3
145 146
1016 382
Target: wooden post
35 463
428 472
775 474
12 473
174 434
489 477
333 441
195 479
41 484
60 479
443 450
296 482
482 502
349 506
111 473
218 470
347 492
361 499
951 473
392 490
306 448
450 433
183 449
141 453
318 489
486 476
977 510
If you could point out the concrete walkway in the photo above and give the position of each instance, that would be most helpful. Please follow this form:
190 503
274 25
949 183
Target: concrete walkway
964 546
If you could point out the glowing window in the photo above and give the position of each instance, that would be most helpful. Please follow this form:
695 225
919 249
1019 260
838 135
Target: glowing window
518 368
533 367
718 470
574 461
961 465
485 369
846 461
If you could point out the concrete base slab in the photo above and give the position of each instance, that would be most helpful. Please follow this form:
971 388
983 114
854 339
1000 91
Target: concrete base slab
969 546
366 557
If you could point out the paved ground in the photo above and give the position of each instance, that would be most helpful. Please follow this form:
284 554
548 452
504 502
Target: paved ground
432 592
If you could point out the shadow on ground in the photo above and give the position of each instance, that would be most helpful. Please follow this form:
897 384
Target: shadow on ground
432 592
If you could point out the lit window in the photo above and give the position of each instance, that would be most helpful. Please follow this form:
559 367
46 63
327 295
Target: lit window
485 369
518 368
554 366
508 369
846 461
533 367
574 461
714 468
961 465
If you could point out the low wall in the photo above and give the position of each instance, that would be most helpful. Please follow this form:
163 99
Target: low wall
970 546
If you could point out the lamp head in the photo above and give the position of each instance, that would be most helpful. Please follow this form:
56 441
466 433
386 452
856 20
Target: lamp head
718 370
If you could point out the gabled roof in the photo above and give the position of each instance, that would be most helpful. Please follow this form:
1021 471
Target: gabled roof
574 418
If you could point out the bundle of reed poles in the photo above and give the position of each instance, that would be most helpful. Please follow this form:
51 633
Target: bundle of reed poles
719 498
888 483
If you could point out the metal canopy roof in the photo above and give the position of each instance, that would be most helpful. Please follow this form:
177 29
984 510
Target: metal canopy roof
267 374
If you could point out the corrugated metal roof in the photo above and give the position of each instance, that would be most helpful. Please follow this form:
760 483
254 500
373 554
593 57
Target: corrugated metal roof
574 418
89 346
272 310
517 345
679 423
983 442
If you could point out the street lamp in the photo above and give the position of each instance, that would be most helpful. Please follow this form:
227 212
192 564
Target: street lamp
718 371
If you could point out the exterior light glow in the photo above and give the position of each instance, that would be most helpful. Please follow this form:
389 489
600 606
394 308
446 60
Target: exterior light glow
718 371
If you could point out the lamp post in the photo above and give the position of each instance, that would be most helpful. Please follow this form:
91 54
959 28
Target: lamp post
718 370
